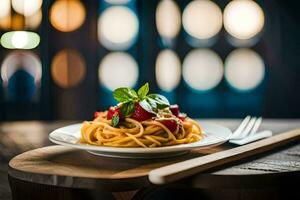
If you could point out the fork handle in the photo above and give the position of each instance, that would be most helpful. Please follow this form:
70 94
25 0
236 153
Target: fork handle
190 167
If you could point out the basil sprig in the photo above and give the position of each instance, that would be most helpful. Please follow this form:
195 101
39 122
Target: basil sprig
150 102
125 94
143 91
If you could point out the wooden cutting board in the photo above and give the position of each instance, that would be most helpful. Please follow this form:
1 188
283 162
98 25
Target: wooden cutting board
64 166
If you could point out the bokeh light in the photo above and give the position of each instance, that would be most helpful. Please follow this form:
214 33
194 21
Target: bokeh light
118 69
202 19
5 22
67 15
19 22
244 69
68 68
117 28
4 8
167 70
117 1
243 19
26 7
202 69
20 40
168 19
21 60
33 21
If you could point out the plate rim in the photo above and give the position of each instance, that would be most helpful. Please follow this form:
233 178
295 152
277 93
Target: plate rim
138 150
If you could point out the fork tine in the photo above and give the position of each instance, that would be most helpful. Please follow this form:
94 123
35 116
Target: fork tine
256 126
238 131
247 129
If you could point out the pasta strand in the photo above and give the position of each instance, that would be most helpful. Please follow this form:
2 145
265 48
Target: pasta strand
131 133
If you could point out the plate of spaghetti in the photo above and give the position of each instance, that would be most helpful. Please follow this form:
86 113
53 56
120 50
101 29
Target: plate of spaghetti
141 125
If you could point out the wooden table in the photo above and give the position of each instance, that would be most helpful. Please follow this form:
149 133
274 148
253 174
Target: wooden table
66 173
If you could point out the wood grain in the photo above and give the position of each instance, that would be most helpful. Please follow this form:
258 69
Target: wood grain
276 168
187 168
60 160
68 167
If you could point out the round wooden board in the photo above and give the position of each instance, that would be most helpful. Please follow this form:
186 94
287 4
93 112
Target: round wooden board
69 167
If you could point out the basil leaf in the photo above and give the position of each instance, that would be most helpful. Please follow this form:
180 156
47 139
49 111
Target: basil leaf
124 94
143 91
160 100
115 120
149 105
127 108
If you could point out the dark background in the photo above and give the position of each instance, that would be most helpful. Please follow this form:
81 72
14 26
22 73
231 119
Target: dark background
278 96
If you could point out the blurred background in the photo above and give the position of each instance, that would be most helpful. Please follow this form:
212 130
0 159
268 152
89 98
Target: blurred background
60 59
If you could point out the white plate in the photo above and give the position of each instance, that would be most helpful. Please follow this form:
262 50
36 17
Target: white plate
70 135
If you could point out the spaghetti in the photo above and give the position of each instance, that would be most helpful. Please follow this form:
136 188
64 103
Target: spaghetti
140 120
132 133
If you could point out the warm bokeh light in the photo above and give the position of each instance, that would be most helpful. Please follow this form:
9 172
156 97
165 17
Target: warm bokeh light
202 19
168 18
67 15
244 69
243 19
5 22
20 40
19 22
167 70
118 69
26 7
202 69
24 60
117 28
68 68
33 21
4 8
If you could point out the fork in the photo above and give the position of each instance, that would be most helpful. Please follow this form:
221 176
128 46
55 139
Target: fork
247 131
